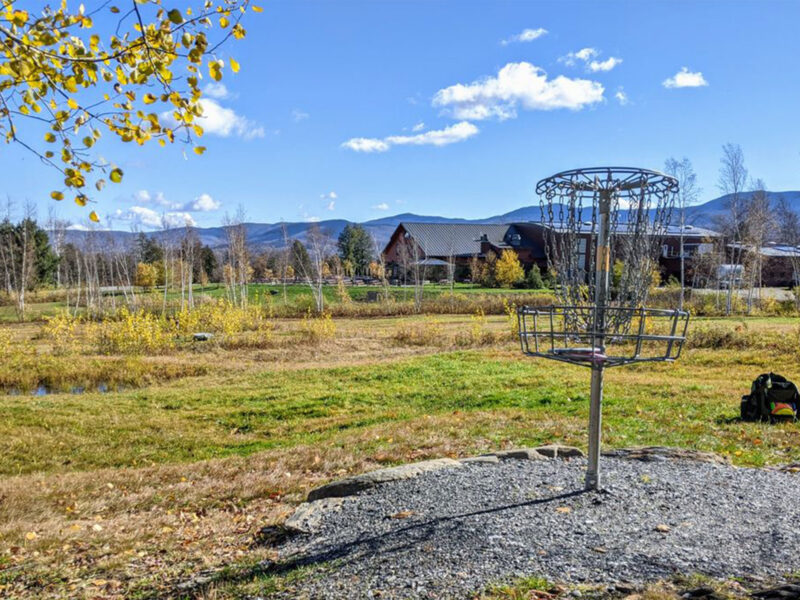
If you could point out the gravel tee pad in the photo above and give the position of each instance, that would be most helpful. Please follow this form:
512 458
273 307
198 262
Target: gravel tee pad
451 531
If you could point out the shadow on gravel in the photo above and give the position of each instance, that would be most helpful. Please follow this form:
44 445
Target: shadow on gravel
383 543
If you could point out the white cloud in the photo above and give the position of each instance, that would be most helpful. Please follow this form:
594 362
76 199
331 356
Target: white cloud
332 196
147 217
418 127
605 65
203 203
146 197
224 122
366 145
584 54
77 227
588 56
621 97
685 78
517 84
381 206
299 115
216 89
441 137
527 35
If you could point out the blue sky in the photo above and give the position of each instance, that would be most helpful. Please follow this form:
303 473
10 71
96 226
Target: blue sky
337 106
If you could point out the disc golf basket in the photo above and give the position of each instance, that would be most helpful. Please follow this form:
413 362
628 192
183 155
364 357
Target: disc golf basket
603 229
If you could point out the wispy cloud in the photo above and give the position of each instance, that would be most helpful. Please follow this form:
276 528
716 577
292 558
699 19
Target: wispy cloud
583 55
516 85
441 137
202 203
331 197
147 217
685 78
157 198
381 206
526 35
366 145
216 89
418 127
589 58
299 115
621 96
604 65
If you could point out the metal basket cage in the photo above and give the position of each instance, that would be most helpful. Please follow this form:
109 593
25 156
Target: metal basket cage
572 334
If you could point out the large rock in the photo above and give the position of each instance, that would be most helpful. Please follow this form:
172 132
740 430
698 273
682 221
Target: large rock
307 517
352 485
559 451
520 454
662 453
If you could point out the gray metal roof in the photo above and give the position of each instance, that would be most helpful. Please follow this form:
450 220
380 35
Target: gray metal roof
454 239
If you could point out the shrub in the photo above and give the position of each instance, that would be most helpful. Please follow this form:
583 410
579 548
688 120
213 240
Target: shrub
534 278
314 329
426 332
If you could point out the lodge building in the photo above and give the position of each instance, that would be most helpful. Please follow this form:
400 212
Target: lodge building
457 244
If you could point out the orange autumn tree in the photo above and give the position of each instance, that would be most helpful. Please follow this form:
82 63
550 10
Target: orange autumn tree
132 69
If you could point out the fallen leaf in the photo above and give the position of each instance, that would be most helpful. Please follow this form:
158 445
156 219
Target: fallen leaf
403 514
663 528
31 535
564 509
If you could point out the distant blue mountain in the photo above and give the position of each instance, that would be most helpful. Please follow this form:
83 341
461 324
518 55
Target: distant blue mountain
709 213
265 235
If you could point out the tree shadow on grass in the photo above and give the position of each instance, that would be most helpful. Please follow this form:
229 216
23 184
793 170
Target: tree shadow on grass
389 542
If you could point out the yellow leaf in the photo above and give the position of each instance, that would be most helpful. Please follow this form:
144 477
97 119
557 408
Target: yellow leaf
31 535
223 22
56 195
257 9
234 66
72 104
81 200
115 175
93 216
215 70
148 98
49 137
199 149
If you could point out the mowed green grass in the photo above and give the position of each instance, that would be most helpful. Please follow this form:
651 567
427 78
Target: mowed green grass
478 399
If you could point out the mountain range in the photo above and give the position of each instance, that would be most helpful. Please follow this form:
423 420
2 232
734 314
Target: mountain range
265 235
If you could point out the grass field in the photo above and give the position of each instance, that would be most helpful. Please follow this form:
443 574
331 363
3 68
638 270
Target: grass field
294 295
126 493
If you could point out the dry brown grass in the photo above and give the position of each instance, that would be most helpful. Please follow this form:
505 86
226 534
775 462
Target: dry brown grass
113 532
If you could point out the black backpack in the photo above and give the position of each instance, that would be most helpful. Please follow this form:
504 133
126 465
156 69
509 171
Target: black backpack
772 398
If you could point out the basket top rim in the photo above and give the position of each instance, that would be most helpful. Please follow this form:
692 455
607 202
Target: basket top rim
623 180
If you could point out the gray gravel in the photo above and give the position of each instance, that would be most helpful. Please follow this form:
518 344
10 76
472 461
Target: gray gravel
447 533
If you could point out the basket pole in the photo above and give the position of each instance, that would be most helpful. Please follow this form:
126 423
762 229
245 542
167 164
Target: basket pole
602 266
